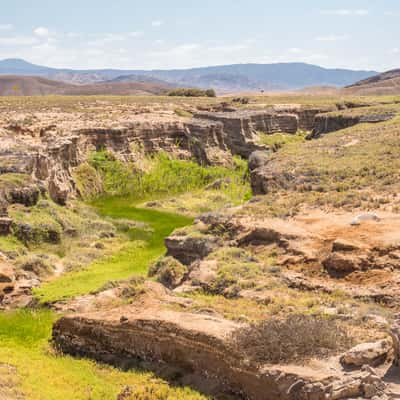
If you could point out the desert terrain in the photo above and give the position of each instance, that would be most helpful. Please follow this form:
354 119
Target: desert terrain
157 247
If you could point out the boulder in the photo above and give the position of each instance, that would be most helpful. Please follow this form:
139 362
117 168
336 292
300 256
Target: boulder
28 195
372 354
59 187
7 279
5 225
189 248
258 159
342 264
344 245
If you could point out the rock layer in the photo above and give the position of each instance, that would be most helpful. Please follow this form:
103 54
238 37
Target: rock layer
199 346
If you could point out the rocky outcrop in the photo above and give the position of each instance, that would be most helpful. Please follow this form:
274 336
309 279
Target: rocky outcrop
326 123
199 348
372 354
189 248
7 278
241 127
26 195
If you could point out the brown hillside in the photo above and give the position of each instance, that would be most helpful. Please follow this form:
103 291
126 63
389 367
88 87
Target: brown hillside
387 83
11 85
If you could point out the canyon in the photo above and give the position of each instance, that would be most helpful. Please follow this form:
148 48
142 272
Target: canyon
314 249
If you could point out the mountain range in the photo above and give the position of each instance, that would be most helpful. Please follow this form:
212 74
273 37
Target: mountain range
223 78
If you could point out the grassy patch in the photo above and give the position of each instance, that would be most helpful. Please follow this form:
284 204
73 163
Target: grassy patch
163 176
134 258
43 375
183 113
279 139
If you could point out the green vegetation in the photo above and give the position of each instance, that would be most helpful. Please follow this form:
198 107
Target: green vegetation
134 258
88 181
168 271
183 113
44 375
279 139
164 176
191 92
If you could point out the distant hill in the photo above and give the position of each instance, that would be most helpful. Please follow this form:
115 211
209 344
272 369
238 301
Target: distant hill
224 78
13 85
387 83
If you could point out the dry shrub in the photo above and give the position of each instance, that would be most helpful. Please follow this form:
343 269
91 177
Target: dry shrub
296 338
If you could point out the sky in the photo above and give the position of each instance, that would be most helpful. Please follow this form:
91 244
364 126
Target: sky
165 34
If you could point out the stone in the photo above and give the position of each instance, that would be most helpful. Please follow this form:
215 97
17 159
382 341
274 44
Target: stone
344 245
367 354
365 217
28 195
338 263
258 159
5 226
189 248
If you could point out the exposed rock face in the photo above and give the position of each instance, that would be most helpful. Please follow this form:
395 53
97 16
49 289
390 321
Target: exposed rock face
7 279
199 346
187 249
330 123
372 354
5 226
241 127
49 150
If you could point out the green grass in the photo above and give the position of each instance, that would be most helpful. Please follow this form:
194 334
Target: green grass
279 139
133 259
163 175
43 375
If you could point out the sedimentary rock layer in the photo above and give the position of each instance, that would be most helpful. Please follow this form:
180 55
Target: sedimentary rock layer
197 346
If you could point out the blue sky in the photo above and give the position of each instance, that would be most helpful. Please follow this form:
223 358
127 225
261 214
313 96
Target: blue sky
148 34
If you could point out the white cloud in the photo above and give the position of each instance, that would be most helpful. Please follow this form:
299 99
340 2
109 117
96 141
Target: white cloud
6 27
41 31
395 50
136 34
228 48
18 41
331 38
295 50
156 23
107 38
346 12
179 50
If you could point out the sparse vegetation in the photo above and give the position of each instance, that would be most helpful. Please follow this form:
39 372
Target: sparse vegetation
191 92
293 339
168 271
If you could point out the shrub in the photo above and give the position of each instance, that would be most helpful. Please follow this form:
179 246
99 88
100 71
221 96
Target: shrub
183 113
192 92
168 271
35 264
296 338
88 181
164 176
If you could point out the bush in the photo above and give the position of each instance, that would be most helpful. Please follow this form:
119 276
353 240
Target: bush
165 176
168 271
38 265
88 181
296 338
191 92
